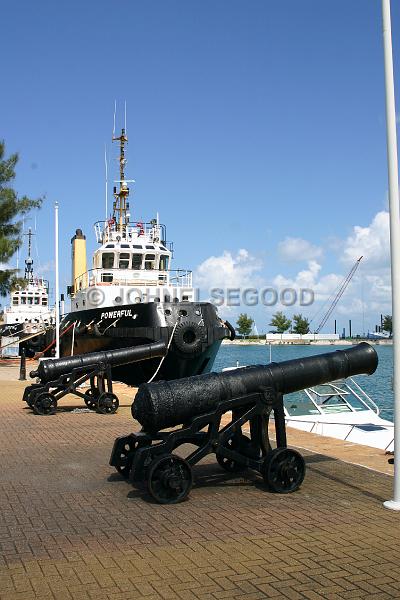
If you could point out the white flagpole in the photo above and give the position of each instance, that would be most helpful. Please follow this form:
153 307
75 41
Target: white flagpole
394 240
57 307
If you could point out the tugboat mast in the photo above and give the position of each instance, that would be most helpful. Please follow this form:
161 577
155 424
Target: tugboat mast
29 259
120 205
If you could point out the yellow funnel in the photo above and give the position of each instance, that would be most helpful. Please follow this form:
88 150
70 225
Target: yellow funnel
79 265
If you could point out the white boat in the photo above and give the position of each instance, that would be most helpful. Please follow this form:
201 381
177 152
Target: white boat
341 410
29 314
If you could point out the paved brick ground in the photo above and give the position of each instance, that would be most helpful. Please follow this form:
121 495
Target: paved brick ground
70 527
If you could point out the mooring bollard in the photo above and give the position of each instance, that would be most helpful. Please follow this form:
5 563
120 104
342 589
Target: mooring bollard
22 366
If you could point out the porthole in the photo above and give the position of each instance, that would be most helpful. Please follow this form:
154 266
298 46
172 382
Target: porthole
167 312
183 313
118 299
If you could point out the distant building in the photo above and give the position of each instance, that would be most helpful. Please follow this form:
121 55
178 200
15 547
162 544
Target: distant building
299 338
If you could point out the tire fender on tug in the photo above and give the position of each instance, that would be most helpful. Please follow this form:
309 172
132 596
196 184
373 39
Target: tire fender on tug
188 337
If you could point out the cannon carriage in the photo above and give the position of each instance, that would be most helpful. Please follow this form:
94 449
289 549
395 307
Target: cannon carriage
226 414
62 376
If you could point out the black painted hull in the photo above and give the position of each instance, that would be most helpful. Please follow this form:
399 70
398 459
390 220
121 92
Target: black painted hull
196 331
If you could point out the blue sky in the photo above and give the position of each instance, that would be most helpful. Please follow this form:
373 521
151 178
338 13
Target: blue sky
249 123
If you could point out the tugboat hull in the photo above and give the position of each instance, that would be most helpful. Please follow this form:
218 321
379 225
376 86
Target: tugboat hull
193 331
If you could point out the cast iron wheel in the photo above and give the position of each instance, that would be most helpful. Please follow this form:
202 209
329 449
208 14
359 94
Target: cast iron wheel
107 403
45 404
169 479
126 455
283 470
91 398
239 443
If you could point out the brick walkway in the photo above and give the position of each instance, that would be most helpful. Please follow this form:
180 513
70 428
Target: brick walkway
70 527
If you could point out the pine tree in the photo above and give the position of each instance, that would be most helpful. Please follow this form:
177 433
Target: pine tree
11 207
244 324
301 324
281 323
387 324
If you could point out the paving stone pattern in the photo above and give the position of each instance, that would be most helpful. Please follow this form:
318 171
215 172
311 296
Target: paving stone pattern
71 527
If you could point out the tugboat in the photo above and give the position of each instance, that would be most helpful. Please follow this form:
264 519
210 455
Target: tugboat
131 296
29 312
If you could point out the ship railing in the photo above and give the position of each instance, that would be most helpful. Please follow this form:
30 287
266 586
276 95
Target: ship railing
21 308
107 231
174 277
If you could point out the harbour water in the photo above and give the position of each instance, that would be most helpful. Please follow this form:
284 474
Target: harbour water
378 386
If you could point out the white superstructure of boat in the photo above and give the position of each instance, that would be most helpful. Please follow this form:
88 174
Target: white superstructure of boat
341 410
29 311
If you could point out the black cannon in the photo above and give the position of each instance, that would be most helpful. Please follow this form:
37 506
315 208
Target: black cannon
198 404
62 376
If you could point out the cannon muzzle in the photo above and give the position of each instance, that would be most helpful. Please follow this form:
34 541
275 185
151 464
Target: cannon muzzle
52 368
166 404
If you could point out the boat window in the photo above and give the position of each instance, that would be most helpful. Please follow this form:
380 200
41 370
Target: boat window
137 246
163 248
30 300
299 404
110 246
44 301
37 300
334 405
124 260
15 301
23 300
137 261
150 247
125 246
356 403
164 259
108 260
150 262
107 277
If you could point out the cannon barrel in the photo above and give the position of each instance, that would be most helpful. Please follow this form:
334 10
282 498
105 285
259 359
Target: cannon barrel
169 403
52 368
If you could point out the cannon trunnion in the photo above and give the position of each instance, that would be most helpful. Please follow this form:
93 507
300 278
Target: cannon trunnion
227 414
62 376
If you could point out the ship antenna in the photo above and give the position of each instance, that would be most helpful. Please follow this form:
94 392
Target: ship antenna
106 184
115 110
28 260
120 204
126 130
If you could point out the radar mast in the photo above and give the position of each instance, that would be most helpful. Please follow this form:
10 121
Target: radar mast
29 259
120 204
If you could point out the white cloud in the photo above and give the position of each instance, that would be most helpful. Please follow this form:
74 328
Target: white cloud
367 296
371 242
228 270
369 292
297 249
323 287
